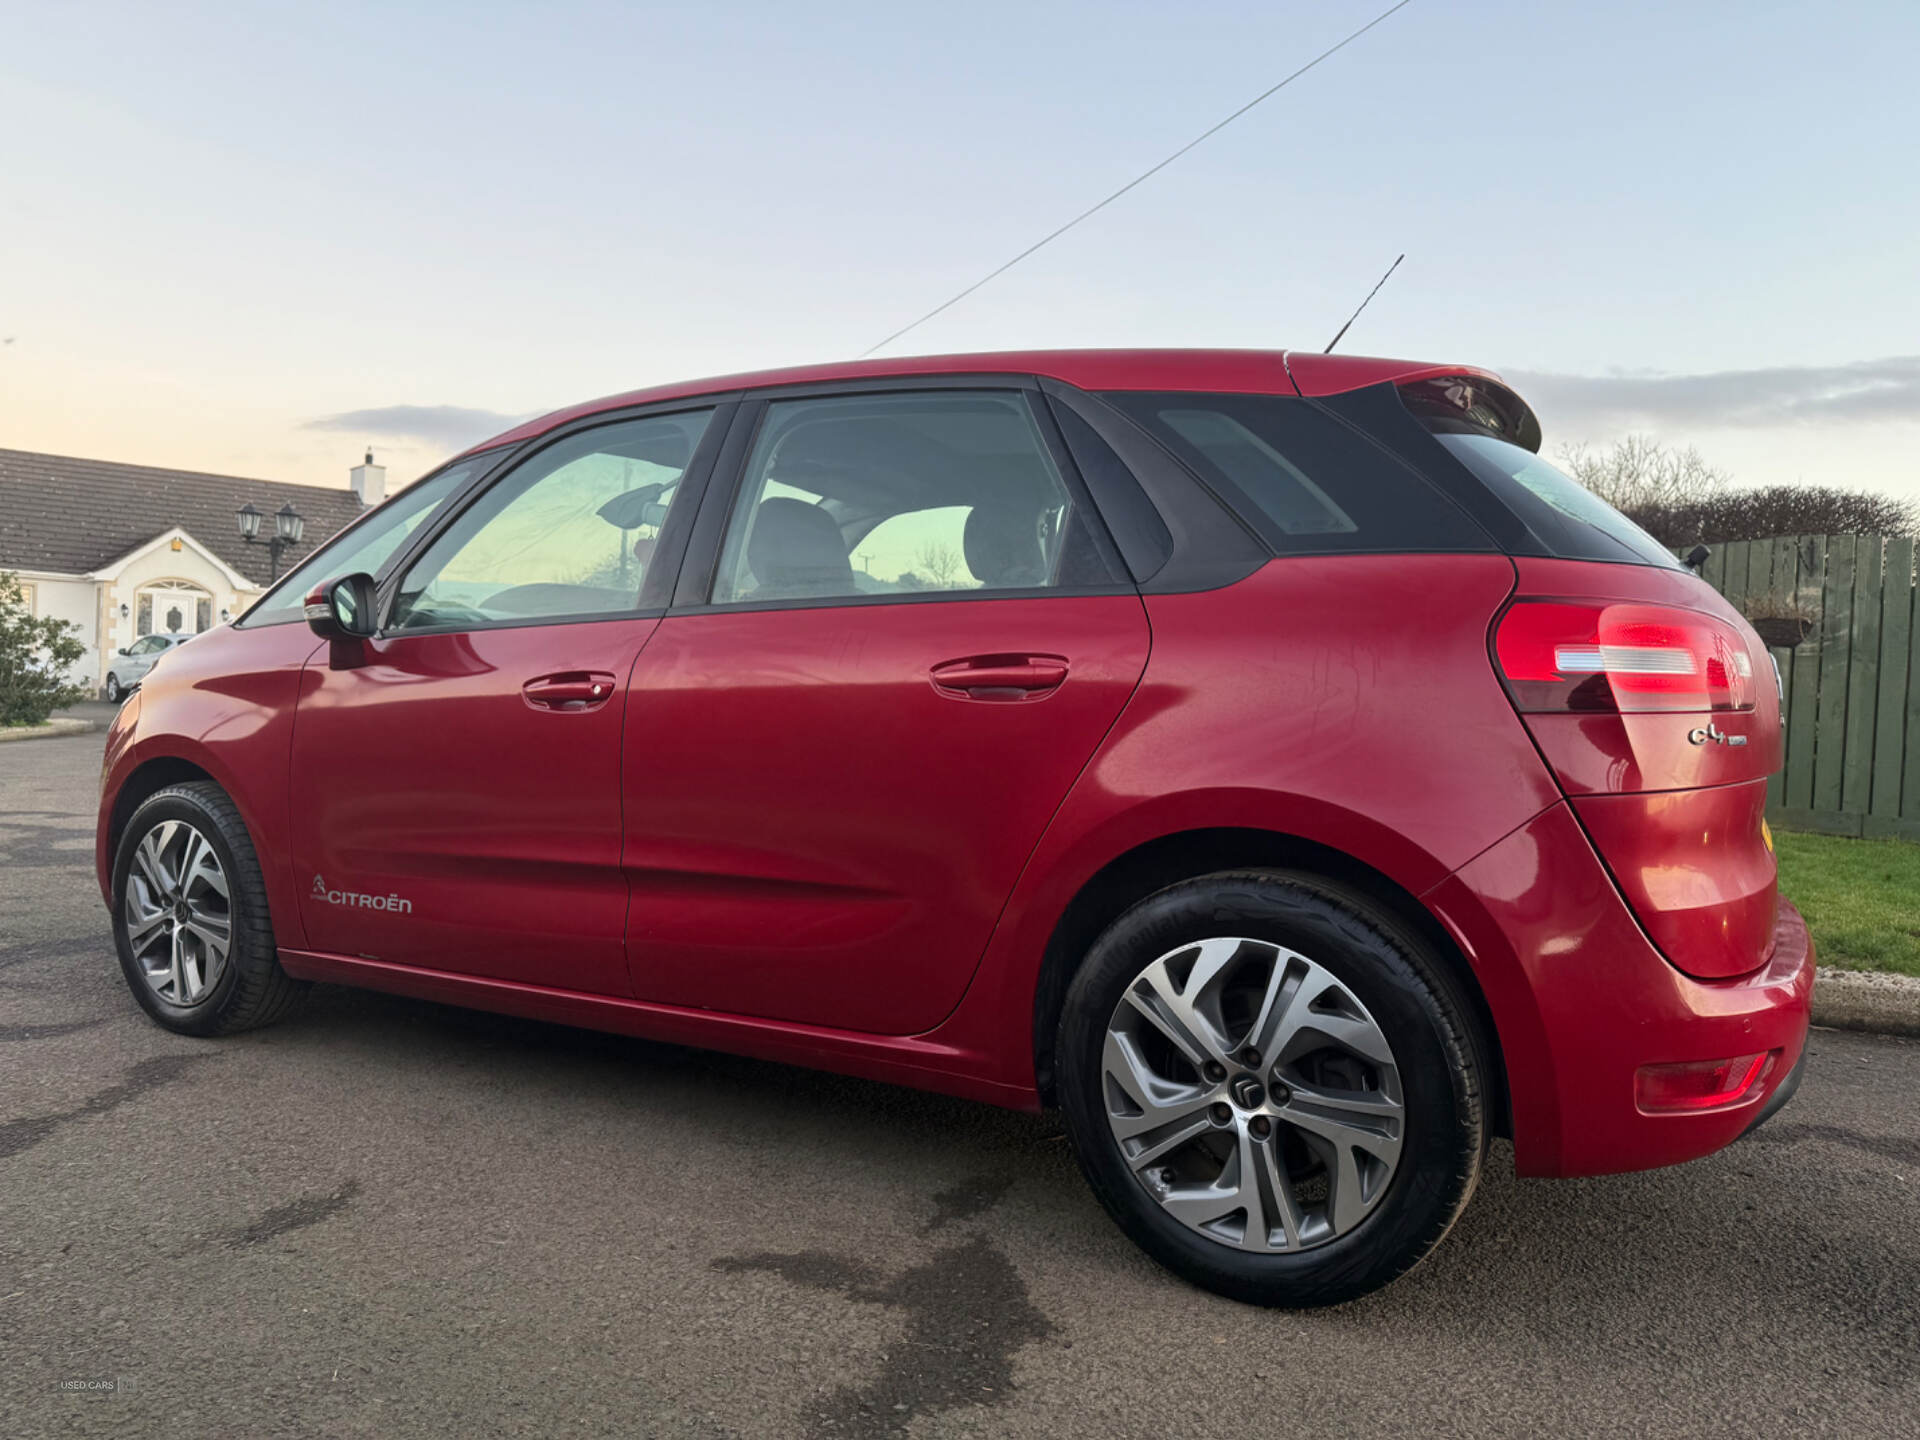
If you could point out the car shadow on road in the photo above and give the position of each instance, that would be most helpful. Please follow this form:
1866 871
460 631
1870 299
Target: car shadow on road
1561 1276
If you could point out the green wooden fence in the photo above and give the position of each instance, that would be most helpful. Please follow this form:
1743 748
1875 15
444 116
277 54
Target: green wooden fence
1852 685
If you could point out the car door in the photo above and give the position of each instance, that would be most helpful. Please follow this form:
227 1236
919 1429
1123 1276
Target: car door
149 652
456 793
138 657
874 691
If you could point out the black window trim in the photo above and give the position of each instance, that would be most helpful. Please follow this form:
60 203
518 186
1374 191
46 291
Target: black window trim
1212 546
699 571
668 553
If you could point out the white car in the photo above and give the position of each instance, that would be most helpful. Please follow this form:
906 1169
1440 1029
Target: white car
131 663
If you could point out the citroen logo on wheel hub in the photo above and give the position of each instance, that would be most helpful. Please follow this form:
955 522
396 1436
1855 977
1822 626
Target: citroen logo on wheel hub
1246 1092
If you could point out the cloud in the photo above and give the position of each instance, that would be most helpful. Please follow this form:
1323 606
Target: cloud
450 427
1863 392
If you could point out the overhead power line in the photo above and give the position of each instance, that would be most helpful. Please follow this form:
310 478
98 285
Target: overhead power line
1144 175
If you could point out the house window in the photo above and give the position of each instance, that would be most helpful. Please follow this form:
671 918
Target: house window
26 594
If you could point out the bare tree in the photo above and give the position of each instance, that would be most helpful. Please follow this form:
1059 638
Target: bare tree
939 562
1639 473
1680 499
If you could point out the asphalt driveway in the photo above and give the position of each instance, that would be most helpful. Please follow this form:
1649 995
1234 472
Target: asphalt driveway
390 1218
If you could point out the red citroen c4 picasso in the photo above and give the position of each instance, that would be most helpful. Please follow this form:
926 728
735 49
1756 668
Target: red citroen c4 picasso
1265 757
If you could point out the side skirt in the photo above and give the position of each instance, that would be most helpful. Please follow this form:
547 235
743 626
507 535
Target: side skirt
915 1061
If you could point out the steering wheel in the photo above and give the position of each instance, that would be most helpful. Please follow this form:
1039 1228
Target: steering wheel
426 612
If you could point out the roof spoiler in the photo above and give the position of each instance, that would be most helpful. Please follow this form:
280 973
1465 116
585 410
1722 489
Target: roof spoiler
1466 392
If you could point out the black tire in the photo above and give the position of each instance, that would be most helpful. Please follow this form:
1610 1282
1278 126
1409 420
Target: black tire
252 989
114 693
1442 1067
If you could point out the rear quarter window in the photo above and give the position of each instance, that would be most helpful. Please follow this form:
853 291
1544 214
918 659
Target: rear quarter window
1304 481
1571 521
1477 441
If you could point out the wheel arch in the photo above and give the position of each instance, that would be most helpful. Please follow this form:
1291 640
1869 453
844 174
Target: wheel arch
1169 859
146 780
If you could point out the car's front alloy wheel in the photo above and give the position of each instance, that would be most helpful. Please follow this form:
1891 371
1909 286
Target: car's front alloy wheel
190 916
178 913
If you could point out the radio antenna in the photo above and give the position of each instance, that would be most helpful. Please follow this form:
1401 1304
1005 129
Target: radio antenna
1363 305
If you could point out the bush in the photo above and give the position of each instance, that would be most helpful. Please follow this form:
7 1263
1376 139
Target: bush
1772 510
1681 500
35 655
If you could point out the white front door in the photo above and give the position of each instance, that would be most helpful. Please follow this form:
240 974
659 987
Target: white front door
172 609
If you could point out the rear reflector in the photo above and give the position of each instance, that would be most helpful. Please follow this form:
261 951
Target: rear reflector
1700 1084
1621 658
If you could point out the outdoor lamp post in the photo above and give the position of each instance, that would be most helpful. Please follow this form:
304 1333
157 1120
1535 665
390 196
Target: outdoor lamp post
288 525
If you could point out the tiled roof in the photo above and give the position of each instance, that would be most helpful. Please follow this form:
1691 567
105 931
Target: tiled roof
73 516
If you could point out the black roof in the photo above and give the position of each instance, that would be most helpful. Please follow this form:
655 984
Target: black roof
73 516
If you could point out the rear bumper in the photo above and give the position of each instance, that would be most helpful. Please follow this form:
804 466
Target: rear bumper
1782 1093
1581 1000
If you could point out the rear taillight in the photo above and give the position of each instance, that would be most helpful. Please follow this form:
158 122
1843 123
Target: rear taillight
1621 658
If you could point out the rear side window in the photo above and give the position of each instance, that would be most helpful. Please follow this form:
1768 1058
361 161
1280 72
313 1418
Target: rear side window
1306 482
942 492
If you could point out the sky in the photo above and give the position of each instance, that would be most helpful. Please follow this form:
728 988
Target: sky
258 238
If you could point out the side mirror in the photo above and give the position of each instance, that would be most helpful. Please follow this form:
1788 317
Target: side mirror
342 609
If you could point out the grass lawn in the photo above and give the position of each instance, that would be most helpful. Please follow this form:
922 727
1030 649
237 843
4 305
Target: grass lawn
1861 897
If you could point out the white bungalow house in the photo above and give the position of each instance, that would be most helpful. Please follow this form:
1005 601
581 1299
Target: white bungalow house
124 551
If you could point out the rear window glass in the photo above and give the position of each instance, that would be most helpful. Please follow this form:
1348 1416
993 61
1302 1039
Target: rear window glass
1302 479
1571 521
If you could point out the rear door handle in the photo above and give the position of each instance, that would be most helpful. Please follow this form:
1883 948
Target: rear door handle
569 690
1000 677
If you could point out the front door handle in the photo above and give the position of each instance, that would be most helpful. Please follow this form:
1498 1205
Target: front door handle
569 690
1000 677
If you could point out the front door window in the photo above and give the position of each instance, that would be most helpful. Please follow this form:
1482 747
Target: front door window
568 535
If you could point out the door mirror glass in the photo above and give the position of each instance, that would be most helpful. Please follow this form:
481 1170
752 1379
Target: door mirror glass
342 609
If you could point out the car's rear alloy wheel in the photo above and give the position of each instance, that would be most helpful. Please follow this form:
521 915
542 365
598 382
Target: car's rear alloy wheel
114 693
1274 1086
1254 1097
190 916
